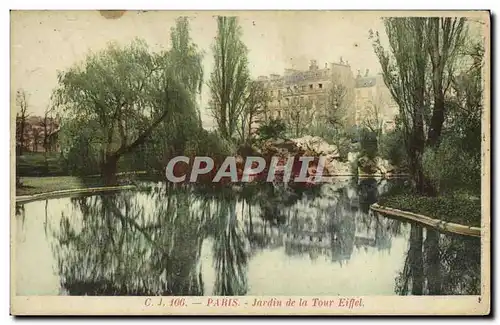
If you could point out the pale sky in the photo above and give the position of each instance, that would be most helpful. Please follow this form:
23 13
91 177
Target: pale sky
43 42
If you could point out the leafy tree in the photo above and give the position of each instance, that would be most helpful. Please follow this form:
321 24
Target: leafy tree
230 77
456 163
123 94
186 58
173 134
422 51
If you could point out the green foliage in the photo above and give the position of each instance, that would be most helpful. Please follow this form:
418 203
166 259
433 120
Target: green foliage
230 78
206 143
80 148
129 101
272 129
459 208
39 164
451 168
369 143
392 148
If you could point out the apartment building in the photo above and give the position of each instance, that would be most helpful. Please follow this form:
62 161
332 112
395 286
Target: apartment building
311 93
305 91
374 105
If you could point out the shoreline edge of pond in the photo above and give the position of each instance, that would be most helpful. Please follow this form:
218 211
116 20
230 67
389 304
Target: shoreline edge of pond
435 223
76 191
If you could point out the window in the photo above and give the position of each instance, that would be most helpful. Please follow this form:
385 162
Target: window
310 86
320 86
279 103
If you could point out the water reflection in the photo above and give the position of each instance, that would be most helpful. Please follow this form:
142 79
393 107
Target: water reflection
257 240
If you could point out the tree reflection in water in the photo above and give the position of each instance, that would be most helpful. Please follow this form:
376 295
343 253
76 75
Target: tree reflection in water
438 264
149 242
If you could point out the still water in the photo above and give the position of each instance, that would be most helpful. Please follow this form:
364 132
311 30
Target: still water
258 240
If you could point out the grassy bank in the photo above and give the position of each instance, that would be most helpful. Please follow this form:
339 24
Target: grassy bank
36 185
458 207
39 164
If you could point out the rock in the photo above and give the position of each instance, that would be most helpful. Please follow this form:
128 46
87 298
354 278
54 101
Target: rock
335 167
352 156
317 145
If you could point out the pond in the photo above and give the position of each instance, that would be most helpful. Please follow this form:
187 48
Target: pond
258 240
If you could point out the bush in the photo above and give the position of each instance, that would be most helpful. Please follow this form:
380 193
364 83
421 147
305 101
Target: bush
206 143
81 158
272 129
451 168
392 148
38 164
453 208
369 144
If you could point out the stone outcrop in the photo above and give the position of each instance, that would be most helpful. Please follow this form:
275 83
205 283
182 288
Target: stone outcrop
374 166
306 146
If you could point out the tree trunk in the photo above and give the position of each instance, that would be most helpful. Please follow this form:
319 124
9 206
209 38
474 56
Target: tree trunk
109 168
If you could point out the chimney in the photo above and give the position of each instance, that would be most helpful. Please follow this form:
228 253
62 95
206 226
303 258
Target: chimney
341 61
366 73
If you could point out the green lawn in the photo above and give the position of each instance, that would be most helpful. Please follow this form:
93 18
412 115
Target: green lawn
459 207
36 185
36 164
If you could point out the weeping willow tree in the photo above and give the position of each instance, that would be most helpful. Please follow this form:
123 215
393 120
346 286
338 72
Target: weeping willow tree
230 77
186 60
125 94
418 68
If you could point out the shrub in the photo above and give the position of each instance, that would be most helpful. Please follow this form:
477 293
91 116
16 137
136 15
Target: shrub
392 148
272 129
369 144
450 168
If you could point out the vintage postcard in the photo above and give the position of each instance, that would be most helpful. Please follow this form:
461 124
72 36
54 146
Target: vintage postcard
250 162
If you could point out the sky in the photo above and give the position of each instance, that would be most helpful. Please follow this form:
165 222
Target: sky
43 42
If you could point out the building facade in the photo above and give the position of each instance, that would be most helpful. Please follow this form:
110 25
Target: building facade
305 92
306 96
374 105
